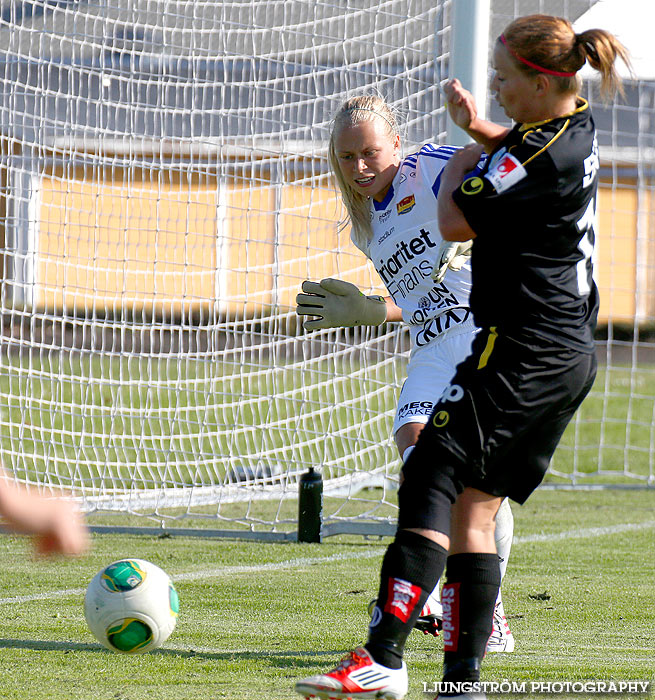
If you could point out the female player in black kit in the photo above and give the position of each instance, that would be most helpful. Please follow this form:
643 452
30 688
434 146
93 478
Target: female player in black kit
494 430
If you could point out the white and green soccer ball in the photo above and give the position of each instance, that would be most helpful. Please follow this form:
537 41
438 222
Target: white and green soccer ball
131 606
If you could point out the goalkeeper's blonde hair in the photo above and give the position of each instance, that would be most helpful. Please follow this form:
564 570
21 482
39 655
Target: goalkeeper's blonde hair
356 110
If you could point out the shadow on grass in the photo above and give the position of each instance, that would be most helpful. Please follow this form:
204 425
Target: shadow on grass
283 658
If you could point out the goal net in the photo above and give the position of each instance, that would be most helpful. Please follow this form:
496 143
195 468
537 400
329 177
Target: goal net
164 193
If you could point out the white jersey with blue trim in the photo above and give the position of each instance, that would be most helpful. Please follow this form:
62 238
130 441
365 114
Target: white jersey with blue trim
404 249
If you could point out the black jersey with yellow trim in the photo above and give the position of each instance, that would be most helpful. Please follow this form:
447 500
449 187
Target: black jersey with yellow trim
533 209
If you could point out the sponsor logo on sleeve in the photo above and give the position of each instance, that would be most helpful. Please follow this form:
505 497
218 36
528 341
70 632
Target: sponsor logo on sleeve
506 173
472 186
496 157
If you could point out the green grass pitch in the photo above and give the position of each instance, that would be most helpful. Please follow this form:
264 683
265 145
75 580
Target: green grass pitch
81 416
255 617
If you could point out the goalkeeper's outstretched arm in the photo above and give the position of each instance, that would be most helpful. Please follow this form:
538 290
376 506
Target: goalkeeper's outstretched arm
338 304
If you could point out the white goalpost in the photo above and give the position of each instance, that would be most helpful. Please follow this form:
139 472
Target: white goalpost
164 191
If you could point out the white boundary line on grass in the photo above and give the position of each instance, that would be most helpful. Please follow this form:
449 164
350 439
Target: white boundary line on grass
222 571
344 556
585 532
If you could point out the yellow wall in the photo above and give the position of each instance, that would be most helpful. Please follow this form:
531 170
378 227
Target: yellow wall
616 252
248 251
311 244
165 243
620 208
121 245
173 245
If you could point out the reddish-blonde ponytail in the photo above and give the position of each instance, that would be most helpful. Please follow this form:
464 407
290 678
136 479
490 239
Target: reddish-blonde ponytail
547 44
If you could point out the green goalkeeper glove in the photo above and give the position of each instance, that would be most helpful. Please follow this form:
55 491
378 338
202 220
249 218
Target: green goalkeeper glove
338 304
451 255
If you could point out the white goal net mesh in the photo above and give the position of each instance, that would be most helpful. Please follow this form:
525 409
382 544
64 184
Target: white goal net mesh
163 193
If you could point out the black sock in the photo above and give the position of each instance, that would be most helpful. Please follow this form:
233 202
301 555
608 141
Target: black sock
411 569
468 599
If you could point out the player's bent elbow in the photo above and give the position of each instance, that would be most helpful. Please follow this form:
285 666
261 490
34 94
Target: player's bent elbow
453 225
453 230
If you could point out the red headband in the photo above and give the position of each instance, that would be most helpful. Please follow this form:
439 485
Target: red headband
559 74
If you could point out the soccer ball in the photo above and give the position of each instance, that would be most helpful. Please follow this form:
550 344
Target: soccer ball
131 606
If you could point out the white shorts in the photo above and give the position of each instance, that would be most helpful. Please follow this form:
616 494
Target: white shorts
429 372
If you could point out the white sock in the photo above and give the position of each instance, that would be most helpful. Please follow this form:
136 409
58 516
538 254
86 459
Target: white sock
504 535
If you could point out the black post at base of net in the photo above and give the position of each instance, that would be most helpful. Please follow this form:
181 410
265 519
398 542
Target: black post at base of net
310 506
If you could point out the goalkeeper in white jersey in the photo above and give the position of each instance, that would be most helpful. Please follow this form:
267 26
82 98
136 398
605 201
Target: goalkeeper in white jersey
392 206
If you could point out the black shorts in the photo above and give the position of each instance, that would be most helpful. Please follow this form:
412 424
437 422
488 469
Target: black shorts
497 424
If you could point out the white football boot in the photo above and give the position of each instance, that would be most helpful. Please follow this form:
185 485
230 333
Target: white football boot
501 639
357 677
431 617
